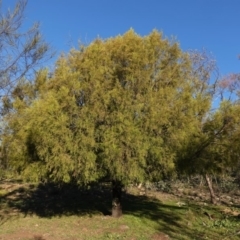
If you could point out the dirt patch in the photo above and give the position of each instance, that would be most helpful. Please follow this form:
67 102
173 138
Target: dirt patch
23 235
123 227
160 236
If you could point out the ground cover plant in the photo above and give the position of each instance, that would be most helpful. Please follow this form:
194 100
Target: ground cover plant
46 212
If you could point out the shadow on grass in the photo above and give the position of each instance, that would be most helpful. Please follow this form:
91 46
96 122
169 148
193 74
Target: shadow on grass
51 200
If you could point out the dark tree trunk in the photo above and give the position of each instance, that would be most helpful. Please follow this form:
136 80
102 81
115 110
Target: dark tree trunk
116 198
209 183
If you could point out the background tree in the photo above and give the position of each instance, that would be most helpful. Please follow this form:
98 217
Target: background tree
20 54
20 51
213 148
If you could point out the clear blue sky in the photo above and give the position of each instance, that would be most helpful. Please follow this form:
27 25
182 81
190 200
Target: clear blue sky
196 24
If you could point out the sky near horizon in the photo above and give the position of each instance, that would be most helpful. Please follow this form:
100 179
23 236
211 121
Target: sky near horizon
212 25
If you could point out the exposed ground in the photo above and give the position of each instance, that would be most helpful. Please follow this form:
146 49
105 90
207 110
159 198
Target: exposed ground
48 212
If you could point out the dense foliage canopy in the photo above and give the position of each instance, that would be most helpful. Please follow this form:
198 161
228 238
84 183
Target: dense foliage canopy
127 108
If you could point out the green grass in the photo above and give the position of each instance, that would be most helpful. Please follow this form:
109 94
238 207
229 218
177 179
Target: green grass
37 212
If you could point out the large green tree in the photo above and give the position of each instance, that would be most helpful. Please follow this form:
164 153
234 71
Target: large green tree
118 108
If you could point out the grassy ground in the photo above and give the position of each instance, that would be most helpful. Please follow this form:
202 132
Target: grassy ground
38 212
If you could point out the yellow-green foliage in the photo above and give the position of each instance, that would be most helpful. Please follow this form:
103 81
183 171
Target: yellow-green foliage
120 107
215 145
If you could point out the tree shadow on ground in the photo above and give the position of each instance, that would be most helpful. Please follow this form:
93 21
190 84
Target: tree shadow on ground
169 217
50 200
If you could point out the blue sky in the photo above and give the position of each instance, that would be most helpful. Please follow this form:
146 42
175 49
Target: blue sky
196 24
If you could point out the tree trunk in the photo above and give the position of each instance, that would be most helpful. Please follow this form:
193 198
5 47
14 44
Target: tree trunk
116 198
209 183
